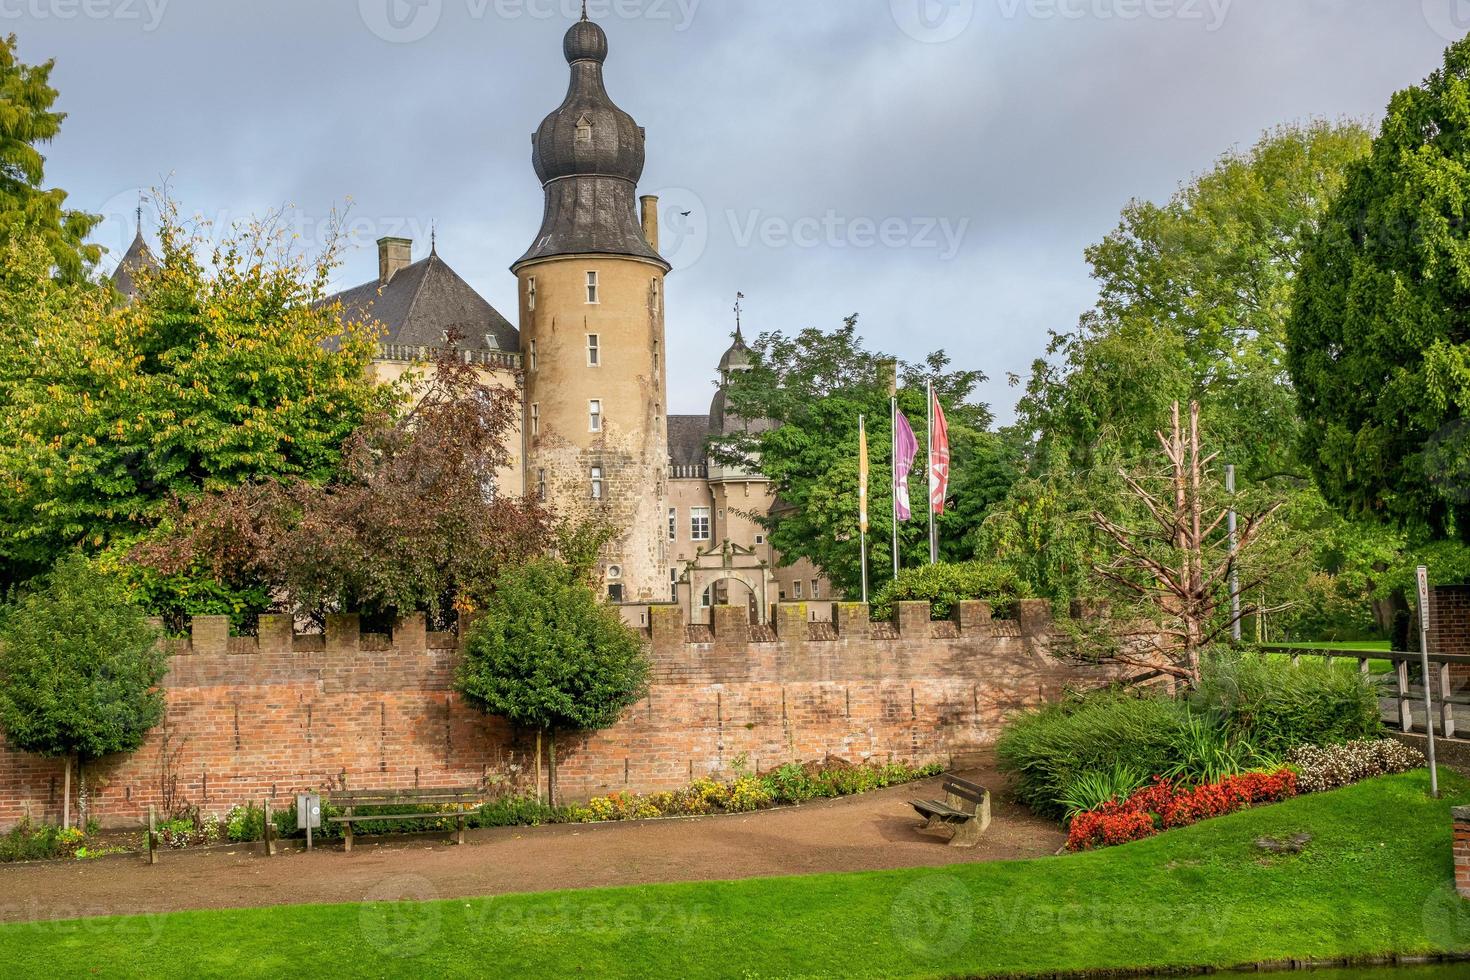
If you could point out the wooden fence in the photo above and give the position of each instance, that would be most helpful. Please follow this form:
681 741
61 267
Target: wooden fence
1445 700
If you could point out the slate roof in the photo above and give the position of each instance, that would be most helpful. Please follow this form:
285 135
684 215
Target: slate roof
423 301
138 258
687 436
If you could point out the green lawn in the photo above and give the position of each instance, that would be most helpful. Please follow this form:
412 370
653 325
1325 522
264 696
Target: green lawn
1376 879
1377 646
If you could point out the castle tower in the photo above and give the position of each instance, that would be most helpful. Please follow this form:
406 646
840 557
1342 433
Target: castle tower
592 329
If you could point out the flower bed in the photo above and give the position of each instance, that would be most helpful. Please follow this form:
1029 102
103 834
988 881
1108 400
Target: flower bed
1164 806
1334 766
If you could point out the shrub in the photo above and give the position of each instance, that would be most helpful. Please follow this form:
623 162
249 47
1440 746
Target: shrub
245 824
1276 705
27 842
191 830
1321 769
1045 750
519 811
944 585
1093 790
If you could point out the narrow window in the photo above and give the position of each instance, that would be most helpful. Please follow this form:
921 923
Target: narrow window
584 129
673 524
655 295
816 589
533 355
615 593
655 356
541 485
594 415
535 420
699 523
673 585
531 292
597 483
594 351
592 287
706 599
796 589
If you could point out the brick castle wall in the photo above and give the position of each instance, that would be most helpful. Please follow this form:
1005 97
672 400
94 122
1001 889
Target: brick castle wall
269 716
1449 620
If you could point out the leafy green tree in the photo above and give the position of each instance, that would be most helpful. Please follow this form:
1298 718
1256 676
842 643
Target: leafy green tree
547 655
80 668
814 386
27 208
222 373
1380 336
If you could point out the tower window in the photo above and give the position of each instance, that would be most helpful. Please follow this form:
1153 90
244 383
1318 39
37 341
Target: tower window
594 415
541 485
655 295
592 287
535 420
594 351
699 523
584 129
533 355
597 483
531 292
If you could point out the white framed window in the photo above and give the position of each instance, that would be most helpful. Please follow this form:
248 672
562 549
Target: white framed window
673 524
796 589
594 415
535 419
760 539
533 355
531 292
816 588
597 488
541 485
673 585
592 288
699 523
594 350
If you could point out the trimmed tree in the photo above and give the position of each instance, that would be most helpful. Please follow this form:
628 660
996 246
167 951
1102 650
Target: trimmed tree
547 655
1380 337
80 668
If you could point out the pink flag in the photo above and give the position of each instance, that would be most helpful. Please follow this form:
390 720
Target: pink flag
938 458
905 450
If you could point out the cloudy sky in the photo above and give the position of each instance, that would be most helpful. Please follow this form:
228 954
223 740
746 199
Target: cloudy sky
937 166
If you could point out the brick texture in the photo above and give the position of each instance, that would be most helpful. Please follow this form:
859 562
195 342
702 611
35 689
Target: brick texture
255 719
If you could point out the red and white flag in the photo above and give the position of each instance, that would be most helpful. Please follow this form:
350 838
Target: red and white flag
938 456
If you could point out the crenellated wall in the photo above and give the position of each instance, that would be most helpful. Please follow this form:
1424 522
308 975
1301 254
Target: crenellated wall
268 716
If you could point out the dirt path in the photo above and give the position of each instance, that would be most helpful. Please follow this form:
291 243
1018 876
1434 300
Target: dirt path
871 832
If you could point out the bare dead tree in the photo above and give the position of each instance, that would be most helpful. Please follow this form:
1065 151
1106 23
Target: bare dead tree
1178 563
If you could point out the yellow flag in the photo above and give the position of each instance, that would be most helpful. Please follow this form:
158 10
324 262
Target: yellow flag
863 474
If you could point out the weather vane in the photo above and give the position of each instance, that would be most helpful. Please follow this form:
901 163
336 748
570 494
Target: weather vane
738 298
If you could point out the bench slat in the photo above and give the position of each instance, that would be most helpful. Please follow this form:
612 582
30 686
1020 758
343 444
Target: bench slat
964 792
383 817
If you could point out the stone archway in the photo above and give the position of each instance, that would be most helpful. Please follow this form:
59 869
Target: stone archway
720 565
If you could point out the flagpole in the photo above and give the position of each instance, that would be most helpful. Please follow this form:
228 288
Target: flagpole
863 504
893 476
933 529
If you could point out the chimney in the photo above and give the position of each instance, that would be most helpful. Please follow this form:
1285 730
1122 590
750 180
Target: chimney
650 220
394 255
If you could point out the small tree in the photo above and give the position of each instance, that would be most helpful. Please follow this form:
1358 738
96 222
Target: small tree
80 669
548 655
1177 563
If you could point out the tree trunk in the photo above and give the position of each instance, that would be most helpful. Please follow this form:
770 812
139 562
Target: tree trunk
66 797
539 797
551 770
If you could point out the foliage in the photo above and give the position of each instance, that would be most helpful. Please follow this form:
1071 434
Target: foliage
1092 789
1380 335
1166 806
813 386
945 584
29 842
547 655
1323 768
1054 916
410 522
80 667
521 811
222 373
1277 705
27 209
192 830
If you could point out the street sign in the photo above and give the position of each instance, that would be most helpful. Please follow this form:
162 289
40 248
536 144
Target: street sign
1424 596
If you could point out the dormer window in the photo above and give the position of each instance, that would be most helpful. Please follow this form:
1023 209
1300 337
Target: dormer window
584 129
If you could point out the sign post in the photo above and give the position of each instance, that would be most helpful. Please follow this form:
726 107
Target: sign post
1424 661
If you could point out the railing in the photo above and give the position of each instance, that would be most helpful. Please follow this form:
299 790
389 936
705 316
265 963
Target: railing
406 353
1405 696
688 472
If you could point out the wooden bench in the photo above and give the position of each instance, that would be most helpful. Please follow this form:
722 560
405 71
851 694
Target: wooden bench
421 799
965 809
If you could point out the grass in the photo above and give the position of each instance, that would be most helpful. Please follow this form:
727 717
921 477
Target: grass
1375 880
1377 646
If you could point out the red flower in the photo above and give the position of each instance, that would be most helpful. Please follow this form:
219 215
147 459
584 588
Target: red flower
1162 805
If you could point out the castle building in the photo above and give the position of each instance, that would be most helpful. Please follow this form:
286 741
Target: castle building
590 359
